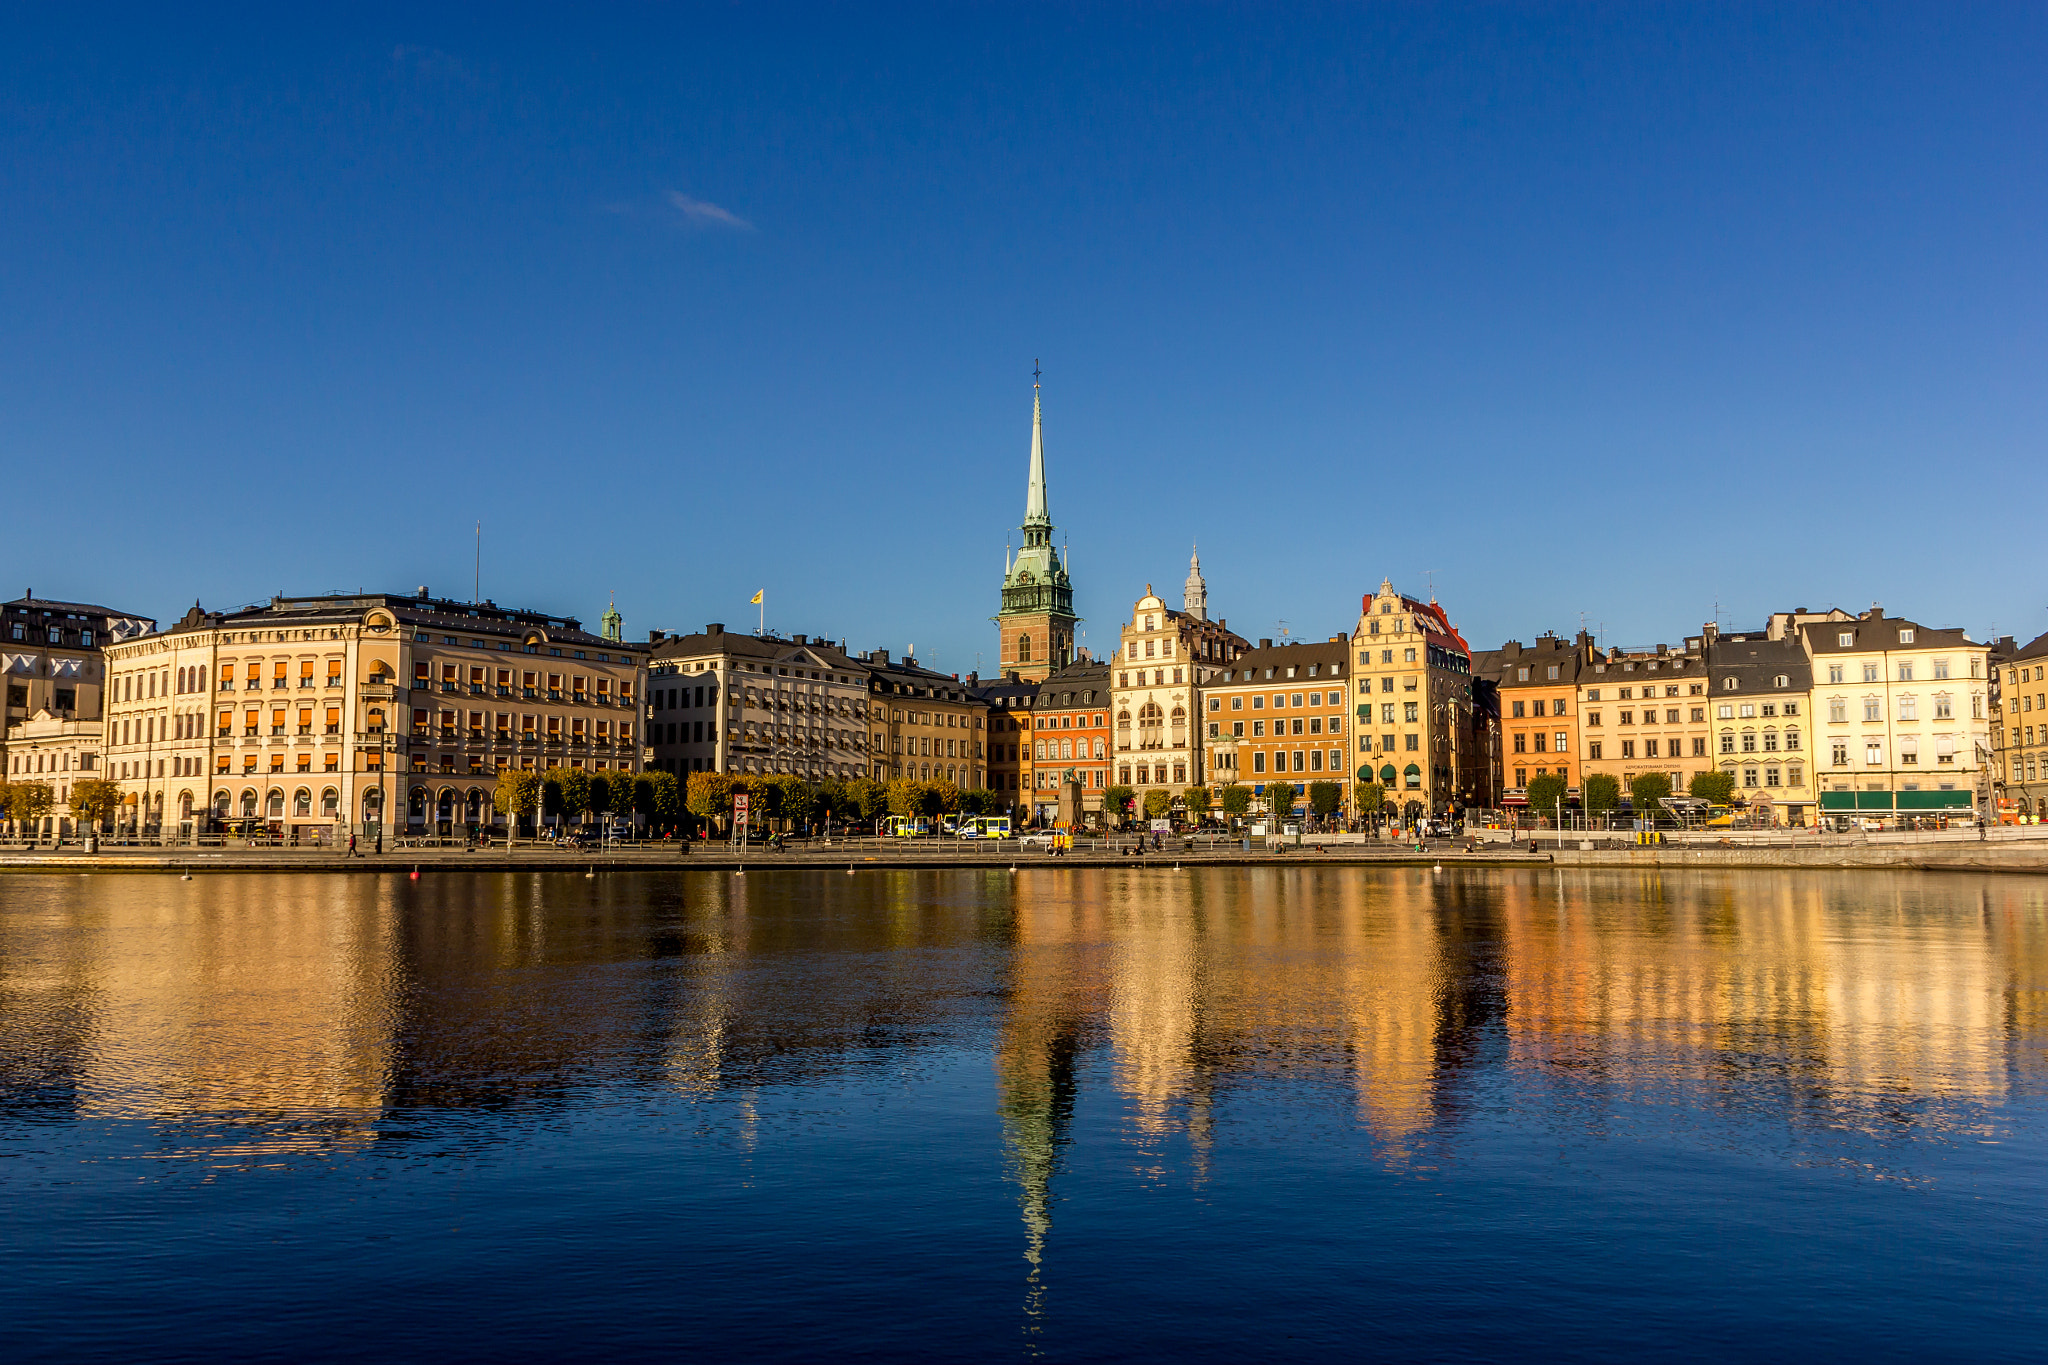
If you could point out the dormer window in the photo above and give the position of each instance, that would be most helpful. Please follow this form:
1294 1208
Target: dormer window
1846 639
1905 637
1781 681
1729 684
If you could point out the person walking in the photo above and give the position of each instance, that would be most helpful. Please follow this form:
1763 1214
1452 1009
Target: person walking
352 845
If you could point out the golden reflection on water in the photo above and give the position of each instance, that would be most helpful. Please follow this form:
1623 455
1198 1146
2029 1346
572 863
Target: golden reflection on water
307 1009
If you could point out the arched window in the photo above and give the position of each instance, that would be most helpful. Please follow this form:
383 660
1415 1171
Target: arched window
249 804
1387 775
1412 776
273 808
1024 649
330 803
302 802
222 803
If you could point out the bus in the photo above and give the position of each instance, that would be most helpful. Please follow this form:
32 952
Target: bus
984 827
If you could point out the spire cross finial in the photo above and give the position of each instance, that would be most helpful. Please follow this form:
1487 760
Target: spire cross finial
1034 372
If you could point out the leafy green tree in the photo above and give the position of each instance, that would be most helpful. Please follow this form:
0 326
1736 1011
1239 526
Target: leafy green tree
1648 790
1716 786
1197 801
1546 791
976 801
867 797
1158 802
1325 797
1116 803
573 788
1236 798
1369 797
949 797
1280 799
906 797
664 798
831 797
1601 794
94 800
710 795
930 800
515 793
28 802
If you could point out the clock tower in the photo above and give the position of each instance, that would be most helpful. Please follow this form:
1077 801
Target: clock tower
1036 623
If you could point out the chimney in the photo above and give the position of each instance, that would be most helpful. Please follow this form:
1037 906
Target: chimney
880 656
1265 644
715 628
422 593
1014 676
800 639
655 637
1663 650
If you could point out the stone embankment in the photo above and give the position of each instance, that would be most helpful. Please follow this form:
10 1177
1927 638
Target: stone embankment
1955 854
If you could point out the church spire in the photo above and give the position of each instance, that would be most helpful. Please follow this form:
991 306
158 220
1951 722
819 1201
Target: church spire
1035 514
1194 594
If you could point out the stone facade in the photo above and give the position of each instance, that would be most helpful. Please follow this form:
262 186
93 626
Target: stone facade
721 701
1162 660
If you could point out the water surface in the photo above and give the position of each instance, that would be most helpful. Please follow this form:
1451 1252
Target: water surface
1261 1113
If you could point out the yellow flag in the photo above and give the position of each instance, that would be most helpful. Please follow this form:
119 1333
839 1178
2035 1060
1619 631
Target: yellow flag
755 598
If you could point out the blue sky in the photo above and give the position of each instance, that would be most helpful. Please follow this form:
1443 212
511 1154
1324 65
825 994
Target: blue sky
1625 310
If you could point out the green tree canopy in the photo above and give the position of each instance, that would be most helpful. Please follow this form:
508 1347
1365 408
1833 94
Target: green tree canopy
1325 797
1158 802
572 786
1647 790
1116 801
1280 799
1546 791
1601 793
664 798
1196 799
710 795
1716 785
867 797
906 797
515 792
1369 797
95 800
27 801
949 797
1236 798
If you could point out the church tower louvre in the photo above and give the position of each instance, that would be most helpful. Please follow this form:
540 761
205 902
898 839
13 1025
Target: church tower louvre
1036 623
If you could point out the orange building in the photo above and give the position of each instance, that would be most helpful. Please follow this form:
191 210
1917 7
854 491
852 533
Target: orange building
1539 713
1069 738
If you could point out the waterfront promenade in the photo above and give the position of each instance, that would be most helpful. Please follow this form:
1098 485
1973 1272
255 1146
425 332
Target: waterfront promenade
2016 850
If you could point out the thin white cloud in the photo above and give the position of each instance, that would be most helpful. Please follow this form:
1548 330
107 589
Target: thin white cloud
703 214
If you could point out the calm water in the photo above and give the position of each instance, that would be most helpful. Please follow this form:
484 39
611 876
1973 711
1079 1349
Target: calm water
1072 1114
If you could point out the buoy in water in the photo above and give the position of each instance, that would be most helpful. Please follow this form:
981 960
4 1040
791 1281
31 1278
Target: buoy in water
186 878
588 875
415 874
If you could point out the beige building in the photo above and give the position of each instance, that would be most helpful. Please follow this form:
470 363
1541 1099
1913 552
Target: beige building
55 751
1760 691
1163 659
1645 711
720 701
1418 735
923 725
309 715
1903 728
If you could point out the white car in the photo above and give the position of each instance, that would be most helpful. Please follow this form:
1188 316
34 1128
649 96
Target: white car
1038 840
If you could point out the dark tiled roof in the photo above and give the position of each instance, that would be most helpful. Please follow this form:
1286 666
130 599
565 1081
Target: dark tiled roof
75 608
1868 633
1328 655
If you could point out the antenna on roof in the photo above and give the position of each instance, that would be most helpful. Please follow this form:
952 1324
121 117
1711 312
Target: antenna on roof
1283 630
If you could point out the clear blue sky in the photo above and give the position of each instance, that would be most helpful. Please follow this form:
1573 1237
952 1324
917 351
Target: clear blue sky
1626 310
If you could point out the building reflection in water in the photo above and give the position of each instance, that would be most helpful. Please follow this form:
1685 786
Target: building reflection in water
249 1017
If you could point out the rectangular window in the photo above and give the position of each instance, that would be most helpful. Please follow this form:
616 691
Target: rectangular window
1628 748
1593 750
1649 748
1258 762
1414 743
1540 740
1560 743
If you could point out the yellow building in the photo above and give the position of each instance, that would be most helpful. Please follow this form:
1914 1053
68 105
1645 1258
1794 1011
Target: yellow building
1645 711
1417 735
1163 658
2023 732
924 725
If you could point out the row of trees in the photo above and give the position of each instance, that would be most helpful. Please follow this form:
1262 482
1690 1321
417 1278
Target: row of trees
798 802
576 792
1235 799
94 800
1601 793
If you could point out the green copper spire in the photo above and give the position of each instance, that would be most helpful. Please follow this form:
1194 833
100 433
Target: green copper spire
614 624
